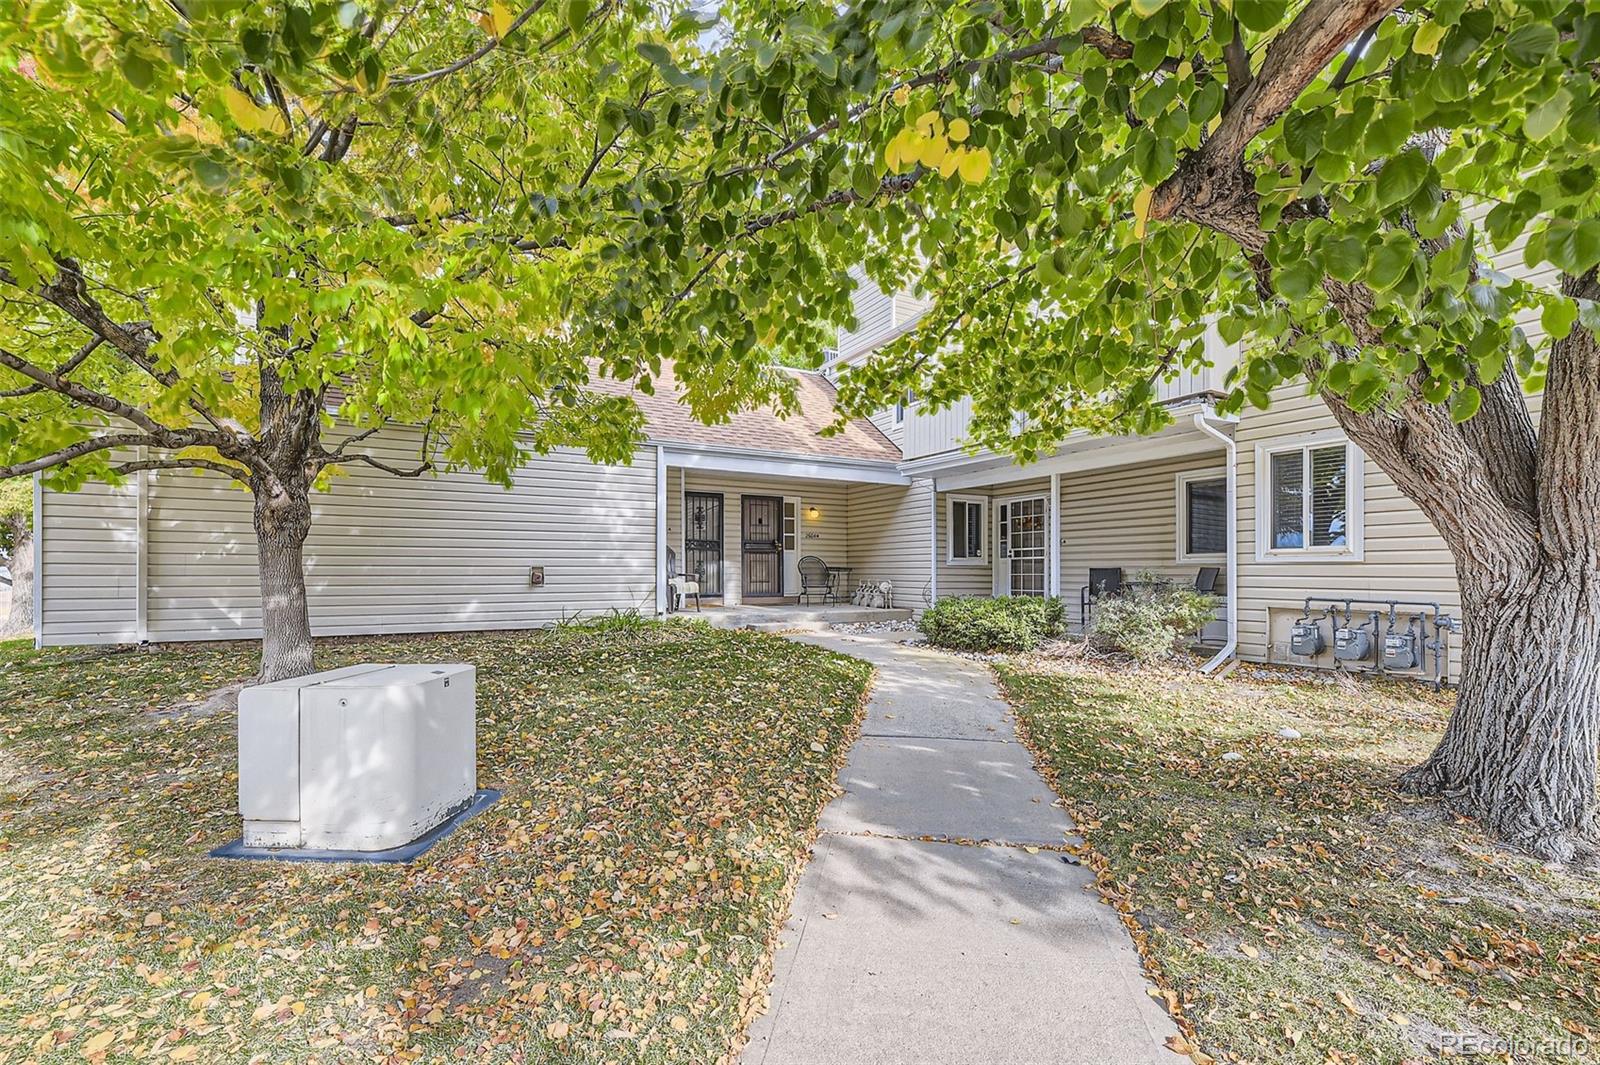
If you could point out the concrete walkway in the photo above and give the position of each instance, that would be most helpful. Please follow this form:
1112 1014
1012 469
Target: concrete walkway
900 948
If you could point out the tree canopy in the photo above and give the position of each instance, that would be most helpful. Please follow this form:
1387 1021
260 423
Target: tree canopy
458 217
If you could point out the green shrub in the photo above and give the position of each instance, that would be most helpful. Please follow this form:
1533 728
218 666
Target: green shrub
1148 619
979 623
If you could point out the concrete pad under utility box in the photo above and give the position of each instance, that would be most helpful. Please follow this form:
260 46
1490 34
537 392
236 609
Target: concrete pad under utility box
364 758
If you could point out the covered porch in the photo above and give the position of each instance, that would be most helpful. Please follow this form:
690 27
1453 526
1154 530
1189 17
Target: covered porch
760 532
1162 506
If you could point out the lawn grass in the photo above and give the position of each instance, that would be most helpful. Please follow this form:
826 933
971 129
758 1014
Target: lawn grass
661 784
1296 907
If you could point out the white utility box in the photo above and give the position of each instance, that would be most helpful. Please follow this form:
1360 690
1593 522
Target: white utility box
364 758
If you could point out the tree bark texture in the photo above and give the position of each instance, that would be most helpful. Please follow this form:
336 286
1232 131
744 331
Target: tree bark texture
19 618
1519 752
290 431
282 523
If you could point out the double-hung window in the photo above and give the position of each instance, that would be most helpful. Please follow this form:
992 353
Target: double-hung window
1308 501
1202 517
967 521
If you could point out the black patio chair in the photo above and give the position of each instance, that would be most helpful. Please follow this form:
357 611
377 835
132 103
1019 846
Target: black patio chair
1205 582
1102 584
815 579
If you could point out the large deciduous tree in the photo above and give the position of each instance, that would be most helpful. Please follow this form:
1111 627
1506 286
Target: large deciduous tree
245 238
1326 181
246 215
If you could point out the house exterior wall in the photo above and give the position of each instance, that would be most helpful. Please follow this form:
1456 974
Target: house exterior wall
1126 516
888 538
1403 556
88 564
385 554
826 536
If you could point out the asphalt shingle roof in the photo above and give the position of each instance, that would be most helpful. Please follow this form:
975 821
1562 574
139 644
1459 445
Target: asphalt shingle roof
668 420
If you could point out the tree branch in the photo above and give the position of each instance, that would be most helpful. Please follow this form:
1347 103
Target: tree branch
473 56
88 397
379 464
65 455
232 472
60 371
1293 61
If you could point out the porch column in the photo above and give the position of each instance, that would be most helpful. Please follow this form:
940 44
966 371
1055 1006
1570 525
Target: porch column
1053 584
661 531
933 542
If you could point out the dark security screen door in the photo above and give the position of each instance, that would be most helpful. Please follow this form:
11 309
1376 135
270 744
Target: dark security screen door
763 551
702 540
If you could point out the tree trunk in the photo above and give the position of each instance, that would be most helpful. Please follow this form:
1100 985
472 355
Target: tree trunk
1519 752
19 619
282 522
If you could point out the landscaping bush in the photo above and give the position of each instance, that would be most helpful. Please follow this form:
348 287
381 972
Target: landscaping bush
979 623
1149 619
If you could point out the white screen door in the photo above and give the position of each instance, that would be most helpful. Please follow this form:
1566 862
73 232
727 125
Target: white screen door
791 545
1024 545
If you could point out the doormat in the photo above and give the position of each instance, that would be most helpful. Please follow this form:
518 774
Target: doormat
481 801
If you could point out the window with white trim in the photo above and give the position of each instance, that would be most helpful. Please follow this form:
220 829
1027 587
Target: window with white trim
1309 500
1202 516
967 517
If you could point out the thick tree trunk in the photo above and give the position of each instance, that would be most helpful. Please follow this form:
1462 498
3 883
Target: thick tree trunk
282 523
19 618
1519 752
290 428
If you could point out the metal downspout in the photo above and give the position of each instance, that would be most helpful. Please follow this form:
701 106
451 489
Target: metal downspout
1229 649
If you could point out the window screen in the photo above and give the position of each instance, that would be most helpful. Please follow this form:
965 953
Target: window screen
1206 517
966 529
1288 499
1329 491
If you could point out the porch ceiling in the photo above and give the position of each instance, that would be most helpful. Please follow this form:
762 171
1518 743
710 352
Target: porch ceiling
803 467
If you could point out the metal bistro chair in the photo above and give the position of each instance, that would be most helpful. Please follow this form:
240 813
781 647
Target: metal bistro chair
682 585
1205 582
815 579
1102 584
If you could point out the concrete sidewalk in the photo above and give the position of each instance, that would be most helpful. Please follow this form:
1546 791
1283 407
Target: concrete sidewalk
899 949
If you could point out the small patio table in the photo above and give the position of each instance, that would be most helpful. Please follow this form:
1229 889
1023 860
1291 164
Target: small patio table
839 583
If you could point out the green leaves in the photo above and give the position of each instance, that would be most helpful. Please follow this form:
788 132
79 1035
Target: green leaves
1571 245
1400 178
1532 44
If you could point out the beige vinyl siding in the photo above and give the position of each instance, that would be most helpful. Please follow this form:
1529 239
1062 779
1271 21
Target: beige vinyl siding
888 538
88 565
387 554
675 510
826 536
908 307
874 312
894 430
1403 558
1126 516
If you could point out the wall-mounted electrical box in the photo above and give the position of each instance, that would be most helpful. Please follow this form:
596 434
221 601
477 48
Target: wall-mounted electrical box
535 576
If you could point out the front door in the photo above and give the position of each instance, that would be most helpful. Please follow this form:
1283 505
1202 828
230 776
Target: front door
1024 545
702 540
762 548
